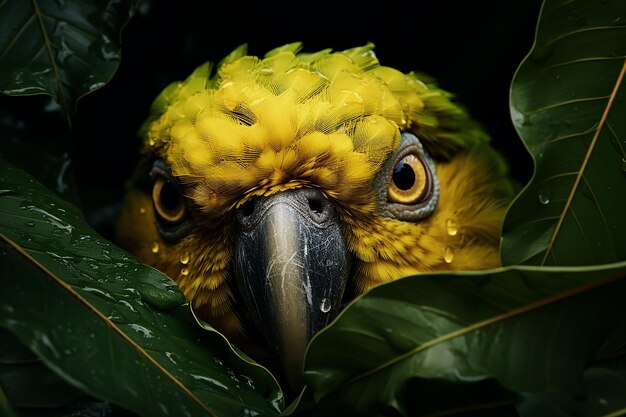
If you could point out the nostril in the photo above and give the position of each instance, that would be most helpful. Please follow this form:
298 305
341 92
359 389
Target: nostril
247 208
316 205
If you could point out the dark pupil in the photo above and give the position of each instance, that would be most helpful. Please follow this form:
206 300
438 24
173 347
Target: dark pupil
403 176
169 196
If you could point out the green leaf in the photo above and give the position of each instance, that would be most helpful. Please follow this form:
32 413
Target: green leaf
36 390
567 103
116 329
62 48
605 390
531 329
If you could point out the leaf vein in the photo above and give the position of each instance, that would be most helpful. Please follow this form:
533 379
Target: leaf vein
17 35
596 202
61 94
589 29
571 135
568 203
566 103
583 60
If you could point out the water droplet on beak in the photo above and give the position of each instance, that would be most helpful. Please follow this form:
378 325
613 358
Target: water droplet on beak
325 305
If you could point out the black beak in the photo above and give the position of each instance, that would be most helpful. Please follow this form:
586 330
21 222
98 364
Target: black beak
291 267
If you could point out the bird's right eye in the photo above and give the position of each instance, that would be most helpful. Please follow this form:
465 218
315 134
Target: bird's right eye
168 200
171 214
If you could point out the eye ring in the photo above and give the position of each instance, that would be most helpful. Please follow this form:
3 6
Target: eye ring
168 201
408 186
410 182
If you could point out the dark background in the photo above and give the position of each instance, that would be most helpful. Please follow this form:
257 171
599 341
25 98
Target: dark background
471 48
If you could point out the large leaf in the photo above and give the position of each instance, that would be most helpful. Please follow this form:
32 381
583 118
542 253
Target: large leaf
568 105
114 328
62 48
532 329
35 390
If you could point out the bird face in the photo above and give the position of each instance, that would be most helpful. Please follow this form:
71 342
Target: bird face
279 188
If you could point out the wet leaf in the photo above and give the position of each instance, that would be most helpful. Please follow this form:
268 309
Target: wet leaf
91 312
532 329
34 390
65 48
567 103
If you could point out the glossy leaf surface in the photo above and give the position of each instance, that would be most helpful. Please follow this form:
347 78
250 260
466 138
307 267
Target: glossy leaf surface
62 48
568 104
533 330
114 328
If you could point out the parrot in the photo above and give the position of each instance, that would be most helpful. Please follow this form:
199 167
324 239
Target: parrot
276 189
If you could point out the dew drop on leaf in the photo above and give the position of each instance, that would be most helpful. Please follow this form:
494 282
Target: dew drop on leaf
544 197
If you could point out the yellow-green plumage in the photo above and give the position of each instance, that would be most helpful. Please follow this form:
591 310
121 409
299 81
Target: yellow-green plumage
326 120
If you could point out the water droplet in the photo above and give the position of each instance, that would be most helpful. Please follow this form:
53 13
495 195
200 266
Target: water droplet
184 271
30 224
163 299
448 254
544 197
184 258
6 192
155 247
452 227
142 210
325 305
147 333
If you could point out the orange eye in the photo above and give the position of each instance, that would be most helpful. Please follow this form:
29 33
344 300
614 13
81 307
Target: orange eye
410 181
168 201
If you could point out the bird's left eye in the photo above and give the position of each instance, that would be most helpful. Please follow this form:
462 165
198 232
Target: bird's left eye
410 181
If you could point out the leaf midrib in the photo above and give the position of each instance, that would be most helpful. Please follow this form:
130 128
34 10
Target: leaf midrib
484 323
55 68
109 323
585 161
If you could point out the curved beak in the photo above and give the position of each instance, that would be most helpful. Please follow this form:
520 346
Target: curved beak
291 267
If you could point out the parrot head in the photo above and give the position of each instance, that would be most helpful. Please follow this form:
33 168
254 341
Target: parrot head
275 190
